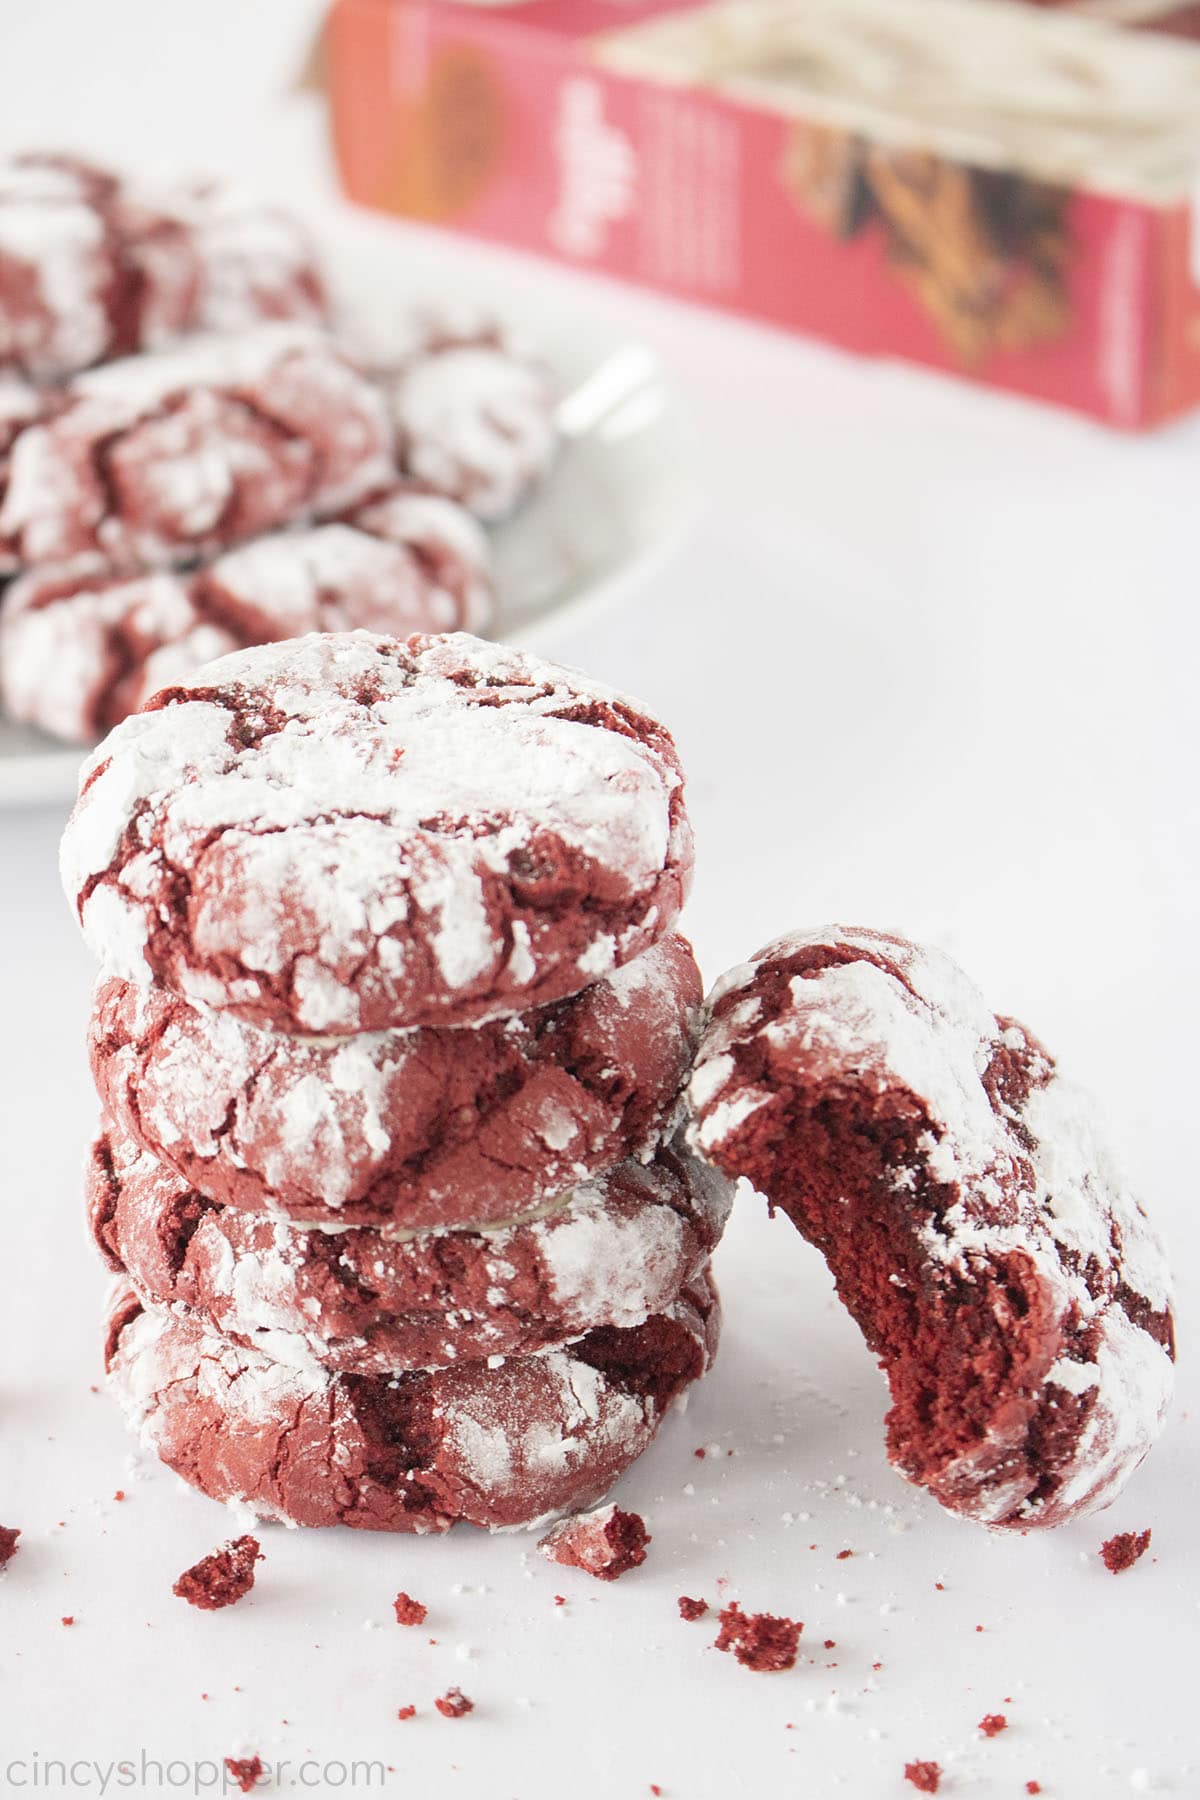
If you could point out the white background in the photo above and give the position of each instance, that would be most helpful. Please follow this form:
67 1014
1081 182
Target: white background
931 661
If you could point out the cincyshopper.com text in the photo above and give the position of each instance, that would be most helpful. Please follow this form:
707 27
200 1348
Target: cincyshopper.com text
144 1773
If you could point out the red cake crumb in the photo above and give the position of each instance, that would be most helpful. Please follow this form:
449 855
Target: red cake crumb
1033 1787
1122 1551
654 1788
701 1453
560 1599
692 1609
993 1723
120 1494
760 1641
830 1644
410 1611
222 1578
68 1618
245 1770
453 1704
8 1543
606 1544
843 1554
925 1776
406 1712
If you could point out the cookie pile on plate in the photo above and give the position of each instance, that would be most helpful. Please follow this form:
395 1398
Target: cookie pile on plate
390 1036
190 463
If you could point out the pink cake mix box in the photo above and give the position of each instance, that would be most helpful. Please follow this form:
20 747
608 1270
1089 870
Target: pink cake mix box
999 189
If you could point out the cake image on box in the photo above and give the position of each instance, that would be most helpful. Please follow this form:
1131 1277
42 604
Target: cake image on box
985 253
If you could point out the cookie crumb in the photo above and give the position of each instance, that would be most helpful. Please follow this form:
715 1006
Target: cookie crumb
926 1777
406 1712
1122 1551
222 1578
606 1544
453 1704
760 1641
410 1611
245 1770
691 1609
992 1724
8 1543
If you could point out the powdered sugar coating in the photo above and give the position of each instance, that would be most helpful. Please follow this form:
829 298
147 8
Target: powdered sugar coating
1010 1182
403 1129
83 646
611 1252
501 1447
474 413
498 826
159 459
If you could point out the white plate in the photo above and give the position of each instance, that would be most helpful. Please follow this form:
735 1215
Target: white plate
615 503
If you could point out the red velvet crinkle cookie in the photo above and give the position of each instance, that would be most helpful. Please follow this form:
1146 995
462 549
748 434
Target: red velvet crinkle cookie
63 302
350 833
613 1252
409 1129
975 1222
83 647
501 1446
211 258
161 459
474 413
94 267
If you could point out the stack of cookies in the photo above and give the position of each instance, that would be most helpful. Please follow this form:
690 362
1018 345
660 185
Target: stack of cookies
390 1038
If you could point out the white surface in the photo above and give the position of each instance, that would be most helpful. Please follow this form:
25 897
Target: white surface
930 659
621 491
